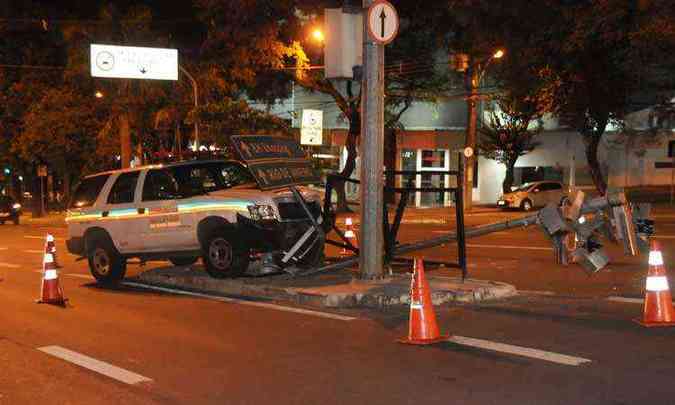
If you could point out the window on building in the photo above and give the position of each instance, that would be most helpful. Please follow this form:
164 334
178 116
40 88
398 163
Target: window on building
123 190
87 191
671 149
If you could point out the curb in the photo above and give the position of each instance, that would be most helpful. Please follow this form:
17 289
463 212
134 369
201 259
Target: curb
349 294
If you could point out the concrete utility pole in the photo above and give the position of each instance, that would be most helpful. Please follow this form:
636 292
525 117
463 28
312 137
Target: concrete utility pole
372 156
471 79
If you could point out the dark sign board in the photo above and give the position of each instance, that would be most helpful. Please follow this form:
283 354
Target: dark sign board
275 162
263 147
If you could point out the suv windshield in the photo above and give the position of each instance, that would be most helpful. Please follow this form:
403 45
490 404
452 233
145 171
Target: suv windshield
202 178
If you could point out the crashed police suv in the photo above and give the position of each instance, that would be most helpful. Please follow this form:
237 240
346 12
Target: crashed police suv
215 210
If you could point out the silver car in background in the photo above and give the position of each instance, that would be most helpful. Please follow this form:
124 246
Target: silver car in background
532 195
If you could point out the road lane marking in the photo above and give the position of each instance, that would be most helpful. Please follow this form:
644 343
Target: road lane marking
627 300
519 351
536 292
244 302
34 237
92 364
86 276
9 265
4 248
33 251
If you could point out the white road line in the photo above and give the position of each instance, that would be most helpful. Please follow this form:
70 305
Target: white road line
244 302
34 237
92 364
471 245
33 251
9 265
519 351
85 276
535 292
4 248
627 300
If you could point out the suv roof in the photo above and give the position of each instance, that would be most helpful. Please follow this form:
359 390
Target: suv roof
162 165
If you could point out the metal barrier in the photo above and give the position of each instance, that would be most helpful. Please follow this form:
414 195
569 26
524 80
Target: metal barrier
392 247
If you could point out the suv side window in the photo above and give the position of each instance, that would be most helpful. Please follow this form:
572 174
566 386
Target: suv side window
87 191
123 190
159 185
234 175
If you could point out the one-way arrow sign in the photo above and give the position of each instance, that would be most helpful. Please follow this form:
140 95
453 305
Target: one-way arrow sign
382 22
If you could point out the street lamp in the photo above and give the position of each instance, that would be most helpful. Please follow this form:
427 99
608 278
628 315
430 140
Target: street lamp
98 94
317 34
196 102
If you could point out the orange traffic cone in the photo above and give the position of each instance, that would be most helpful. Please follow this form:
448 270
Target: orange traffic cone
350 235
658 308
423 329
52 293
50 247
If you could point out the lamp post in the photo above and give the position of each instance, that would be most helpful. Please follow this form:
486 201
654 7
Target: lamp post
196 101
473 76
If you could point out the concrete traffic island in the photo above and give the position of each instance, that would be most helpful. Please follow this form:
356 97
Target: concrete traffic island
339 289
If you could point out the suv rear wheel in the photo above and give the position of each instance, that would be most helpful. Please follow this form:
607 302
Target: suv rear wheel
224 257
105 263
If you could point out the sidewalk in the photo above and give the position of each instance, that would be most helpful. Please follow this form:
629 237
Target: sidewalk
338 289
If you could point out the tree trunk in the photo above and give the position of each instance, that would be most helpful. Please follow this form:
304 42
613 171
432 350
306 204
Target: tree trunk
508 178
350 164
592 141
125 140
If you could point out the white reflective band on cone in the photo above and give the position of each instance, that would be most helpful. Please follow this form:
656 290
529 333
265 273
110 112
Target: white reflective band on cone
348 221
49 258
50 238
51 275
657 284
655 258
349 234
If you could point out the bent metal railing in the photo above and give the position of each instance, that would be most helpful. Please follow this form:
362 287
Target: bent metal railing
392 247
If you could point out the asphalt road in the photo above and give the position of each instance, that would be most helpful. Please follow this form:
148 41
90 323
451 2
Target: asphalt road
166 349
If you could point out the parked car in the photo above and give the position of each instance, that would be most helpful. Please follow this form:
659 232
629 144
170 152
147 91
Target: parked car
183 211
10 210
532 195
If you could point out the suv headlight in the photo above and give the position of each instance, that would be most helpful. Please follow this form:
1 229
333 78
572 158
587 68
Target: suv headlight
260 212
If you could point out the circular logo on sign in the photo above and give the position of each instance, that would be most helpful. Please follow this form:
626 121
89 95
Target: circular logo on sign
105 60
468 151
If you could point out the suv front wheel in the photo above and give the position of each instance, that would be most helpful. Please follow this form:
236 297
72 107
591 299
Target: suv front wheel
224 257
105 263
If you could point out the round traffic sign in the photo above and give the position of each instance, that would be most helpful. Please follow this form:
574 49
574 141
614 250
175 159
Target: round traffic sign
105 60
383 22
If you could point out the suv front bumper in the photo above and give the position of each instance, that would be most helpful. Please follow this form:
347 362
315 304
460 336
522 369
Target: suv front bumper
268 236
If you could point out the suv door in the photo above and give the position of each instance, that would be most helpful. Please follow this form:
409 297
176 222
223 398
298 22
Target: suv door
120 215
161 224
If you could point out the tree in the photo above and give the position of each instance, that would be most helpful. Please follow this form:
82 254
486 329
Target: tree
508 134
598 55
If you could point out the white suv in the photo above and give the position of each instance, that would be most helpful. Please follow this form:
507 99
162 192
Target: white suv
183 211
